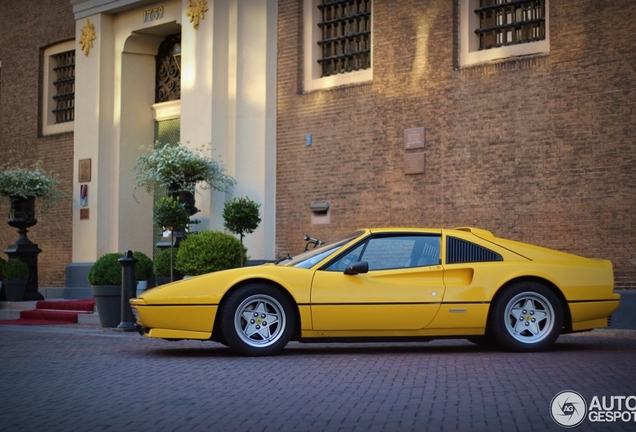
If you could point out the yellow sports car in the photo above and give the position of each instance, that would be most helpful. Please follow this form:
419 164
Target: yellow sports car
390 284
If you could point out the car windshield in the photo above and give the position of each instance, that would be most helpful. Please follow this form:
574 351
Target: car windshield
311 257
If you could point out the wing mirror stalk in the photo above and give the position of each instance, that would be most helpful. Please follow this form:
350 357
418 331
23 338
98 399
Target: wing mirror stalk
357 268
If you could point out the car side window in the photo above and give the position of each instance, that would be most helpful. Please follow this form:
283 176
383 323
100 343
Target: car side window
347 259
393 252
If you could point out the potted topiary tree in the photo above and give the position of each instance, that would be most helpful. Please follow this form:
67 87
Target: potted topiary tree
22 185
209 251
163 268
105 280
16 274
241 217
170 214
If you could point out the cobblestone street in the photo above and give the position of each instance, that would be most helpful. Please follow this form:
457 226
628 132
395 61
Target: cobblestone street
74 378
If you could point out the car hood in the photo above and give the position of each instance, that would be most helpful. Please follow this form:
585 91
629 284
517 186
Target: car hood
210 288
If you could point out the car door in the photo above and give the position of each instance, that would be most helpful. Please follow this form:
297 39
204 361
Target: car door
401 291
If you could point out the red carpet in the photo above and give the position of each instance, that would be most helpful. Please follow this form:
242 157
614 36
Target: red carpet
53 312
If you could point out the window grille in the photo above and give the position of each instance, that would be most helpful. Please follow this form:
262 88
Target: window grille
346 36
65 86
168 73
506 22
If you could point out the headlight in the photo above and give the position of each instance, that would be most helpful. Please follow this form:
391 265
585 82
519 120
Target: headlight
134 311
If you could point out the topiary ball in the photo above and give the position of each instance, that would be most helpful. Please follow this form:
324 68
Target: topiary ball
162 264
16 269
2 264
209 251
143 267
106 270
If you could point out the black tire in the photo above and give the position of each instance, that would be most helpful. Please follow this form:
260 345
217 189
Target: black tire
257 320
526 317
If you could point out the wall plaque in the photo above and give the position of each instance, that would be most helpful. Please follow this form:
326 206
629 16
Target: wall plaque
414 163
84 171
414 138
84 214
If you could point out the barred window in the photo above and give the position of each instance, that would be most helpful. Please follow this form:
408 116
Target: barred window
58 88
492 30
503 22
64 83
345 43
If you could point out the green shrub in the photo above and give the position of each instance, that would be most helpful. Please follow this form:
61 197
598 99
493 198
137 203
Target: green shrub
106 270
2 264
209 251
162 265
143 268
16 269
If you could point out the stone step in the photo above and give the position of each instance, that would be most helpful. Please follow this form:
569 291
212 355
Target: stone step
11 311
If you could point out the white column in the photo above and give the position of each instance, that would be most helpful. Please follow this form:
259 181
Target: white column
93 133
229 101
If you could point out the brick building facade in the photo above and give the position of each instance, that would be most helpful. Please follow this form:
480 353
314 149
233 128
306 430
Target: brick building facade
27 28
538 148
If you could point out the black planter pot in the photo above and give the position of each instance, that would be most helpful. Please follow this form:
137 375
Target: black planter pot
14 289
22 212
184 197
108 303
162 280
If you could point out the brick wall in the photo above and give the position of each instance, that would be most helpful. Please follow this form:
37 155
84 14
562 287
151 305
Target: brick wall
537 149
26 28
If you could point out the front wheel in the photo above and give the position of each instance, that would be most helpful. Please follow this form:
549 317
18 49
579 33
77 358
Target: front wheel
257 320
527 317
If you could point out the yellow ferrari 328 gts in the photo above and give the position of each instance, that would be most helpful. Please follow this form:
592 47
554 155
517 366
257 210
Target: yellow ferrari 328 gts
390 284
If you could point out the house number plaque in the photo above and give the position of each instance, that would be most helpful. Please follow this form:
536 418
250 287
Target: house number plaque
153 14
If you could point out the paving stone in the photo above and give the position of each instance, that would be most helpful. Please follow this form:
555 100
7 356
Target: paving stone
69 378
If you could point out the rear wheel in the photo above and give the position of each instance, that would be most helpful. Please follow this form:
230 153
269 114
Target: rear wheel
257 320
527 317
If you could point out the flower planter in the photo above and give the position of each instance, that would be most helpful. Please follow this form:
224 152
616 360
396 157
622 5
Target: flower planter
14 289
108 303
22 212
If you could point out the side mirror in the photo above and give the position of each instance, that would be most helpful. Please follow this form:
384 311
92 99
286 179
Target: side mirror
356 268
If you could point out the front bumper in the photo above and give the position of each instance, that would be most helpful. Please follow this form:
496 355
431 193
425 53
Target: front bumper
174 321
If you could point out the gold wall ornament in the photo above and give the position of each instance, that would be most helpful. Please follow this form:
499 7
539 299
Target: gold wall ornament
87 36
196 10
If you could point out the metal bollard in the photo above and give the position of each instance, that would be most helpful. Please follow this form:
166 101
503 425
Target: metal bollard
128 290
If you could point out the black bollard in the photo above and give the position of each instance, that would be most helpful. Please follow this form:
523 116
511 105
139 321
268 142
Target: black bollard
128 290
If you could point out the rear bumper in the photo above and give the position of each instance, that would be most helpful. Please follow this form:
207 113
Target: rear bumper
592 314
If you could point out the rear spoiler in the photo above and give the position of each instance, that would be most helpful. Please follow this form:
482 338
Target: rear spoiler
477 231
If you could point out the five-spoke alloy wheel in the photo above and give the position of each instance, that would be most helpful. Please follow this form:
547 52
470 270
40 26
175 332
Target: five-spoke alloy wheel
257 320
527 317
